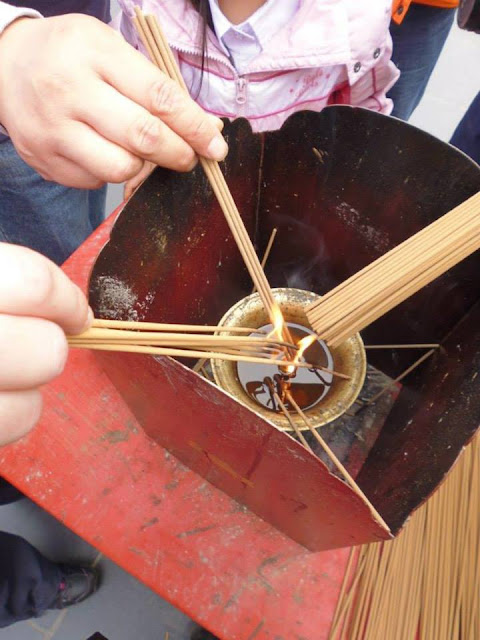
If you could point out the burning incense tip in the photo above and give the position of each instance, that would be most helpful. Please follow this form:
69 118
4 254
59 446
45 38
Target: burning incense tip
278 323
302 346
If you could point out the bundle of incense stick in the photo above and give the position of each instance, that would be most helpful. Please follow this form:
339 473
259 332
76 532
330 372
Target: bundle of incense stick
160 53
191 341
425 584
398 274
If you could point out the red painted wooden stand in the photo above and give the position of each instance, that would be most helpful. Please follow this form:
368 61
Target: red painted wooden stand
90 466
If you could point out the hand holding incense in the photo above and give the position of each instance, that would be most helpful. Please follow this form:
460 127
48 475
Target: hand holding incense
160 53
137 337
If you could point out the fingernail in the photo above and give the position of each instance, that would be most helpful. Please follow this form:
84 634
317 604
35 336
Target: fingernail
89 317
59 347
89 320
217 149
217 122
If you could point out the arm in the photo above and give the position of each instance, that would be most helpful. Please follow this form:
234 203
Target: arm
83 107
38 304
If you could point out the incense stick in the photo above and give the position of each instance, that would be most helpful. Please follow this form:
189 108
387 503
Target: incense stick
433 345
286 412
185 353
161 326
267 252
340 467
206 374
399 378
425 584
398 274
160 53
200 364
166 338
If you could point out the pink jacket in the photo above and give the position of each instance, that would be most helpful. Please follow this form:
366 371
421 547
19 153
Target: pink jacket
333 52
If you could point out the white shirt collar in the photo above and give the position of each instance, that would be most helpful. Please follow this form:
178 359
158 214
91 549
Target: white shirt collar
256 30
221 23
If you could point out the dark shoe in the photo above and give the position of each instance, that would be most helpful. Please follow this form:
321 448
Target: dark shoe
77 584
8 493
202 634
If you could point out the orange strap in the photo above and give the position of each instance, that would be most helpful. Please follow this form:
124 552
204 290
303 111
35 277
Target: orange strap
400 7
399 10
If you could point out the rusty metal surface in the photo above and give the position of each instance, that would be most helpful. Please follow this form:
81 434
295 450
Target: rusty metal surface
353 435
241 453
435 416
372 188
343 187
171 256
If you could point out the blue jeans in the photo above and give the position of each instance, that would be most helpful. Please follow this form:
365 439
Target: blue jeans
467 134
42 215
417 44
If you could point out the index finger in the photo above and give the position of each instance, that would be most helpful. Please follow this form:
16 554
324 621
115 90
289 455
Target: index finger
140 80
32 285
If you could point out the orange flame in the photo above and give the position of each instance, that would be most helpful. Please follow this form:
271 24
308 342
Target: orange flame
303 345
278 324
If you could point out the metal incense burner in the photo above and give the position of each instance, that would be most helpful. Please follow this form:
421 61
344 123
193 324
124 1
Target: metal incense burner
335 395
335 185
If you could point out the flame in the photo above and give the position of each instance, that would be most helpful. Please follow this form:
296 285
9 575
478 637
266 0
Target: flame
278 333
303 345
278 323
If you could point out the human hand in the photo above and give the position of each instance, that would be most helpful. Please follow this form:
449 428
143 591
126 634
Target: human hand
132 185
38 304
83 107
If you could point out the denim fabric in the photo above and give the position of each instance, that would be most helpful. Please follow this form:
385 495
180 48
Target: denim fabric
417 44
29 582
98 8
42 215
8 493
467 134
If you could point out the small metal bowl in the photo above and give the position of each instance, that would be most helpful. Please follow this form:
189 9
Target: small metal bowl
349 358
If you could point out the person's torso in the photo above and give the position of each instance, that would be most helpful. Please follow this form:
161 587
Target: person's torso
327 47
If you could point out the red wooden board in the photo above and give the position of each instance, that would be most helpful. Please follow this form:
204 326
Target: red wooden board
90 466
